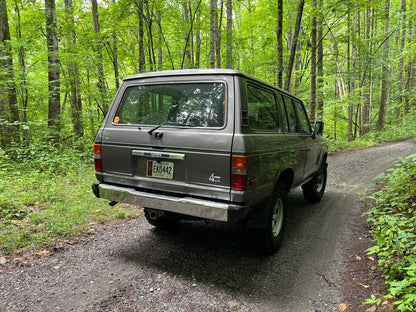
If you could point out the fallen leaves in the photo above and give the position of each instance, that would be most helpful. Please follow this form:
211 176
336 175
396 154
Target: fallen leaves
371 309
43 253
362 285
233 303
342 307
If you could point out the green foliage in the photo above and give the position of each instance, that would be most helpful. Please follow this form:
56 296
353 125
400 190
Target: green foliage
46 195
393 219
393 133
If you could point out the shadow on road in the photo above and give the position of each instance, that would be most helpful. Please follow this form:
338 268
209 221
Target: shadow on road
229 258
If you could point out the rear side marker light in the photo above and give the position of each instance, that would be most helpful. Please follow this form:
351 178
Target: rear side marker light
97 158
239 166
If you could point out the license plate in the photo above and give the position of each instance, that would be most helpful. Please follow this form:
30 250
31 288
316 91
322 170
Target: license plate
160 169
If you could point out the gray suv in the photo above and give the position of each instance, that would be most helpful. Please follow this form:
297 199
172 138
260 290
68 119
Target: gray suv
209 144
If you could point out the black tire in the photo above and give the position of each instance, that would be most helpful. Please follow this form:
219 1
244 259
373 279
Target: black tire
313 191
160 219
276 212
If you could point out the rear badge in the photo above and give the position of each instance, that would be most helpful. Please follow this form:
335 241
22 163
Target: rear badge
214 178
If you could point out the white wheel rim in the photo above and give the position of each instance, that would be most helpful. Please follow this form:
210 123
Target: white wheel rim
320 181
277 221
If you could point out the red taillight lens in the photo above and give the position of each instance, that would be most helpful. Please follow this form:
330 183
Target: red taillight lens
98 164
239 182
239 173
97 157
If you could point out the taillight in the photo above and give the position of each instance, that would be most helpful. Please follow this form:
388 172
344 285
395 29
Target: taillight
239 173
97 157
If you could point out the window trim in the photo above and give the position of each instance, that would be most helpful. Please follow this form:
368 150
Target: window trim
274 94
124 92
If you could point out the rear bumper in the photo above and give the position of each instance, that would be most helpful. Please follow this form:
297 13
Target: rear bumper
207 209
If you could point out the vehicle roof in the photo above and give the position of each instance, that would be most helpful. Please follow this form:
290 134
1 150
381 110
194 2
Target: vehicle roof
206 71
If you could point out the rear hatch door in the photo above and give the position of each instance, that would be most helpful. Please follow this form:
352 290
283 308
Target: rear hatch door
171 135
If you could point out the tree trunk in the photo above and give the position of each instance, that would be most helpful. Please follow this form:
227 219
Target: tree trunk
212 38
198 40
114 58
351 75
401 63
142 59
229 5
410 65
365 113
293 46
320 64
385 87
73 73
8 97
218 26
23 94
279 35
313 65
187 36
159 41
100 63
54 96
149 31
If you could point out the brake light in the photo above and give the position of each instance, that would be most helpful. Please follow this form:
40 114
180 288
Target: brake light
97 158
239 166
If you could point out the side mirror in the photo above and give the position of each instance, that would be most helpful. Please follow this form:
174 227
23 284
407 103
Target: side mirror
319 128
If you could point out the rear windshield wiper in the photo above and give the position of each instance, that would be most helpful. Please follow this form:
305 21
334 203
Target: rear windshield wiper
167 122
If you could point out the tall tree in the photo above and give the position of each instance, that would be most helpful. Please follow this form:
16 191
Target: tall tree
401 62
320 63
313 64
212 37
279 35
294 44
159 40
73 73
142 59
22 91
385 86
218 26
367 75
410 68
100 62
187 36
112 52
8 99
198 39
229 5
351 75
54 82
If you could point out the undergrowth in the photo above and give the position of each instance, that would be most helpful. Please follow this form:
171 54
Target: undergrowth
393 219
45 195
393 133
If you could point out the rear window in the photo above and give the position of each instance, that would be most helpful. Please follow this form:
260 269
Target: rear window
185 104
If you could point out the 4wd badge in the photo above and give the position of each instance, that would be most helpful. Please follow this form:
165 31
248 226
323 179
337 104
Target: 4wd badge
214 178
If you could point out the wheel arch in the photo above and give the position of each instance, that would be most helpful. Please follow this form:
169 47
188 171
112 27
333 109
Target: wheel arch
286 177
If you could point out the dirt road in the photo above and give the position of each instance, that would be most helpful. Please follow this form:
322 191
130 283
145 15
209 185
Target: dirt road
209 267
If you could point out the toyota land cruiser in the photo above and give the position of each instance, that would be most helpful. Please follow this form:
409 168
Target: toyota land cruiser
211 144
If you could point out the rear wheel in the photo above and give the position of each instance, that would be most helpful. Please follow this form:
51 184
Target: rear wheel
313 191
272 234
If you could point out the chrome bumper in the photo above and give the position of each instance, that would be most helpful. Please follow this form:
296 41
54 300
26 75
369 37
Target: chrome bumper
190 206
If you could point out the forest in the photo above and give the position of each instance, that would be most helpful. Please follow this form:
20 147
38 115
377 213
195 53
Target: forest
352 62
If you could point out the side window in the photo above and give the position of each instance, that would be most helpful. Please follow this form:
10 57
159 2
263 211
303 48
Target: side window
291 114
262 110
304 126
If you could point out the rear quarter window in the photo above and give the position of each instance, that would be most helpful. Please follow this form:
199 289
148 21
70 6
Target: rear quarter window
262 109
